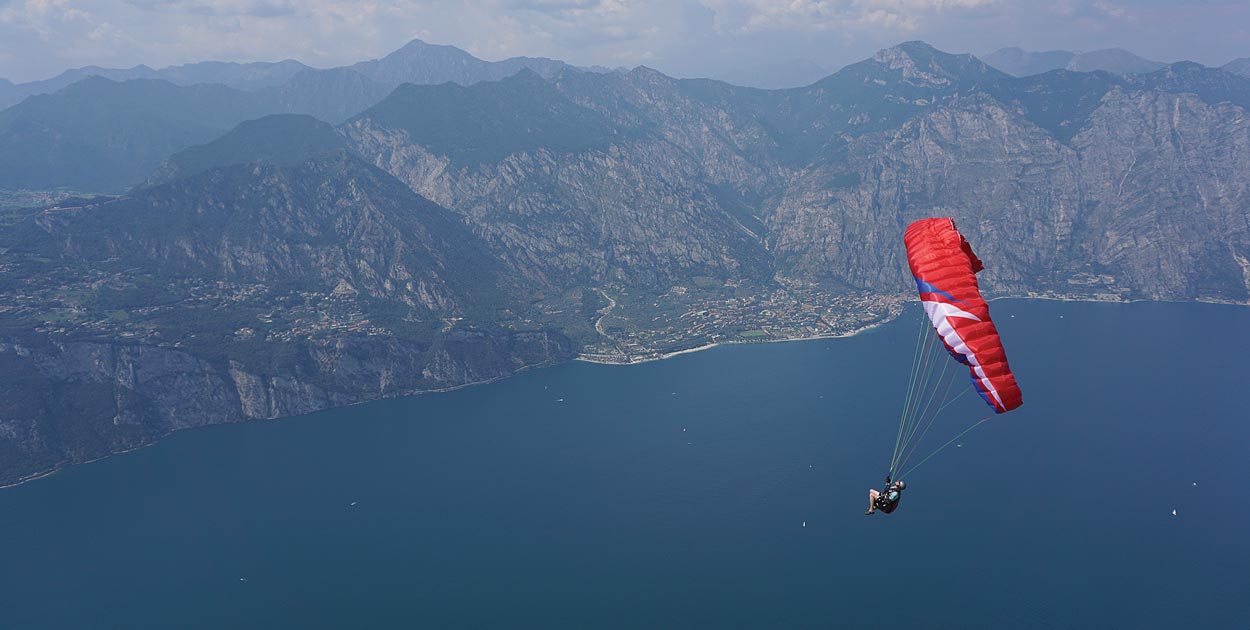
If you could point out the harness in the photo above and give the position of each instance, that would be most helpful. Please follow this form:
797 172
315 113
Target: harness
883 501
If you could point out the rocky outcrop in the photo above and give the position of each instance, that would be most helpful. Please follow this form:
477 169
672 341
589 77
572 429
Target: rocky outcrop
69 402
637 213
1011 187
1150 197
1164 181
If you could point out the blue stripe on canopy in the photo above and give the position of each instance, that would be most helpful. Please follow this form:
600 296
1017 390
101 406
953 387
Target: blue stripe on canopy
925 287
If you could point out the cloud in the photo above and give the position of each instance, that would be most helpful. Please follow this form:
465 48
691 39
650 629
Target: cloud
848 17
551 6
106 32
255 8
1111 10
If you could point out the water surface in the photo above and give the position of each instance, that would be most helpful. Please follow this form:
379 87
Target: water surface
719 489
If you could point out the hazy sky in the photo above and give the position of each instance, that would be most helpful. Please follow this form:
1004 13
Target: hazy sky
40 38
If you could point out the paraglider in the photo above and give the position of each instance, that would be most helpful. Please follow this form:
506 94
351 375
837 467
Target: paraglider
886 501
945 268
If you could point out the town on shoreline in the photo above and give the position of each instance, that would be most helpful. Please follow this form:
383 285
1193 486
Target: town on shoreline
637 328
797 313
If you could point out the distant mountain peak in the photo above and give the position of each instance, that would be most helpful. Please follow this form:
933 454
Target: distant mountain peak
414 43
526 75
644 70
904 55
915 46
488 121
1114 60
417 43
418 48
1238 66
1184 66
648 73
283 139
89 81
430 64
923 64
1022 63
1018 62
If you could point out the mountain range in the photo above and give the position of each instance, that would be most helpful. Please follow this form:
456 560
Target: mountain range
415 62
454 233
80 131
1021 63
423 63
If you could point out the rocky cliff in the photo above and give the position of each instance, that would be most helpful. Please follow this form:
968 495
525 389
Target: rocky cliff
244 291
1082 184
74 401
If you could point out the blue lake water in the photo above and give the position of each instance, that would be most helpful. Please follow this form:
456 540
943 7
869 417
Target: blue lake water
720 489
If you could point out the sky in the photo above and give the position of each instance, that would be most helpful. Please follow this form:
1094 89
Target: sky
746 40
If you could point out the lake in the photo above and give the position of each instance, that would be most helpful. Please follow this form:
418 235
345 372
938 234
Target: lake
718 489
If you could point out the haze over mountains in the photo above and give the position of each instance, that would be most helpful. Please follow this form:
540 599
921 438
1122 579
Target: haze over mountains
258 262
423 63
1020 63
416 62
79 131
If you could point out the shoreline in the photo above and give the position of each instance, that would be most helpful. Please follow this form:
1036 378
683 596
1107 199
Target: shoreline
1051 298
60 466
64 465
716 344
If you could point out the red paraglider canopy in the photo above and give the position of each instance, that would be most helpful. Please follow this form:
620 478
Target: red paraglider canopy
945 269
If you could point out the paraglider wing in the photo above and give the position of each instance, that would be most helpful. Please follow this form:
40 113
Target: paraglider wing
945 269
